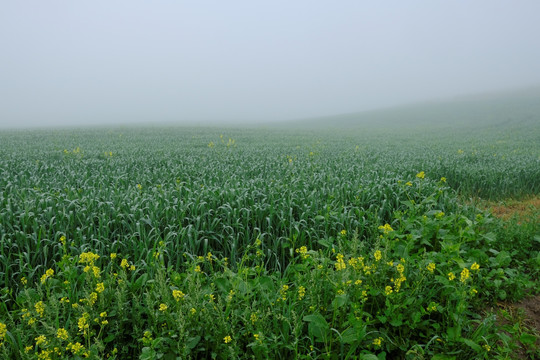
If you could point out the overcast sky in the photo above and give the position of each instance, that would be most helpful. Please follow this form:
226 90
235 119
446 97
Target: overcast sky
93 62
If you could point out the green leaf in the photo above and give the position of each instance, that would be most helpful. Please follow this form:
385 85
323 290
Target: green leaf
192 342
527 339
317 326
349 336
368 357
443 357
340 300
473 345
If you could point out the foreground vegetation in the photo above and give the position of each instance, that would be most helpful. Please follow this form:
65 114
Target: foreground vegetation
207 243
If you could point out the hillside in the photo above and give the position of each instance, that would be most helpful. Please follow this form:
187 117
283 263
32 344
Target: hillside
517 108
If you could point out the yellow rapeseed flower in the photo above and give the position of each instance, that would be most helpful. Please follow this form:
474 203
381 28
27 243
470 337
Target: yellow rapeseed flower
113 256
100 287
124 263
377 255
378 341
227 339
178 295
475 266
163 307
388 290
340 264
431 267
88 258
62 334
386 228
3 331
451 276
41 339
465 274
40 308
420 175
49 273
303 252
301 292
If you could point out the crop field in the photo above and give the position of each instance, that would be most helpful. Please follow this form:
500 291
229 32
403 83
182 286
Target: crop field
266 243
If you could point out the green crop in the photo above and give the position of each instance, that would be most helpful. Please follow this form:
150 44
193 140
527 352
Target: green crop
201 243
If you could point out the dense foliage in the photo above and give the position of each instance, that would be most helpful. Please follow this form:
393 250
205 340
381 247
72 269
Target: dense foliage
178 243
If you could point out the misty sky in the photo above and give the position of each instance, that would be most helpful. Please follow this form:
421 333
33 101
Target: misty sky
94 62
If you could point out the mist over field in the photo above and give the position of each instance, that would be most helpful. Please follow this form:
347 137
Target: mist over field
218 63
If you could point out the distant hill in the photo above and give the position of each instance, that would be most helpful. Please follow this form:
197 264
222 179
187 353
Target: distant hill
515 108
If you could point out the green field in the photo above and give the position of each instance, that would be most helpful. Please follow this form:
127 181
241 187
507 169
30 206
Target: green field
359 242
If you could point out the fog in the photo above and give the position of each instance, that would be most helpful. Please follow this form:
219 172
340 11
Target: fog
109 62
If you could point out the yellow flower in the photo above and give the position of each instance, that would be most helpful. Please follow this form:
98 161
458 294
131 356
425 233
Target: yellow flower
88 258
27 349
63 240
100 288
283 292
400 268
75 348
388 290
343 232
378 341
256 336
40 308
386 228
62 334
443 179
139 186
41 339
178 295
3 331
92 298
132 268
49 273
340 264
82 323
432 307
227 339
465 274
451 276
420 175
163 307
487 347
303 252
197 269
408 183
113 256
253 318
358 282
431 267
377 255
301 292
475 266
24 281
124 263
193 311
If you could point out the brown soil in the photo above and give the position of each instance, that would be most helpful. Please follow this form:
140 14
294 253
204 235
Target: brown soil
531 308
529 311
524 210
